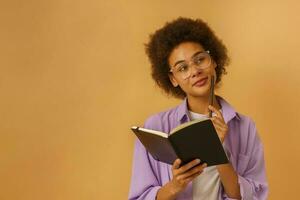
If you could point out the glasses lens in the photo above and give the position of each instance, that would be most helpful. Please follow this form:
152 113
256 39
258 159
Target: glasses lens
200 61
182 69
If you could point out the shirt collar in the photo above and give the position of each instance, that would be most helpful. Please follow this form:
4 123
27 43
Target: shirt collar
227 110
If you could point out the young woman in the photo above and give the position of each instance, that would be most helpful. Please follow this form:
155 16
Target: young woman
185 54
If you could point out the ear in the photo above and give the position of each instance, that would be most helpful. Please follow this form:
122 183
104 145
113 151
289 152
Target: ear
173 80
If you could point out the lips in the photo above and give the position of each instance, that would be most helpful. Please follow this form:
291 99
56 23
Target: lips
201 81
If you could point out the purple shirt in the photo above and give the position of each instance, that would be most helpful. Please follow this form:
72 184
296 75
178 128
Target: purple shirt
242 145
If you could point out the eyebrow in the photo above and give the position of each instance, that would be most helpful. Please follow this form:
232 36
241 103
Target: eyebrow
180 61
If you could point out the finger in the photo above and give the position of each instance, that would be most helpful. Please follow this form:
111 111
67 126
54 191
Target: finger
189 179
176 164
193 171
219 118
218 121
218 113
221 131
188 166
219 127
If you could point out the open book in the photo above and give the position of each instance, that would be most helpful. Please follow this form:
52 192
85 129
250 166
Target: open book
188 141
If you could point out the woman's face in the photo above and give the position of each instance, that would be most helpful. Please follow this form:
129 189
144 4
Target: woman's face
198 82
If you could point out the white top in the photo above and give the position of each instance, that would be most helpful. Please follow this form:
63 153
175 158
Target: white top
207 184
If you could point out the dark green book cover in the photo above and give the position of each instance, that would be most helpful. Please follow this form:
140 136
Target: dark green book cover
195 139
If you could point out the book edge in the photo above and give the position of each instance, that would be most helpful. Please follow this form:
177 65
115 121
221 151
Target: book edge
186 124
158 133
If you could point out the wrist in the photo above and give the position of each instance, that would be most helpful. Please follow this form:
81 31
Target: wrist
167 192
172 188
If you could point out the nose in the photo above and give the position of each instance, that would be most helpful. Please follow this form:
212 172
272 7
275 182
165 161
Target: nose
194 70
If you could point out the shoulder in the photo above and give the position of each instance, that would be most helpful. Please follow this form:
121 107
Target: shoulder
248 131
245 120
161 120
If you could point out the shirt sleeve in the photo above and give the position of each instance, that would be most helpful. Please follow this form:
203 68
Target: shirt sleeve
251 170
144 182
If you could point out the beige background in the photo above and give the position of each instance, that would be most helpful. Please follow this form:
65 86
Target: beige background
74 77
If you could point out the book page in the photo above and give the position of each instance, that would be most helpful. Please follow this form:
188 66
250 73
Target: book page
181 126
159 133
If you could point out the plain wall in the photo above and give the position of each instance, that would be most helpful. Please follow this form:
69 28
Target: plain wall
74 78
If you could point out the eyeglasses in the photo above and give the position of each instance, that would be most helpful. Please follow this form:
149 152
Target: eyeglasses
201 60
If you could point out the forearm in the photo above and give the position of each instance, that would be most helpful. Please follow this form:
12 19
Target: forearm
166 193
229 179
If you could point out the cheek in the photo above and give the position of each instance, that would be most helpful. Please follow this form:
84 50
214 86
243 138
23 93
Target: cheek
184 86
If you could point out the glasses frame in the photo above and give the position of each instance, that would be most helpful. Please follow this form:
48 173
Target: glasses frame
197 67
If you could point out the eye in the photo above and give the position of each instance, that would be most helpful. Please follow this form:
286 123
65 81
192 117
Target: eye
182 68
199 59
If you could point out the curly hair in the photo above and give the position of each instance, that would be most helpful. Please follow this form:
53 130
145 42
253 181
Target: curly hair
173 33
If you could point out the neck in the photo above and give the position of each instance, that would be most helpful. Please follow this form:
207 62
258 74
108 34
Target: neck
200 104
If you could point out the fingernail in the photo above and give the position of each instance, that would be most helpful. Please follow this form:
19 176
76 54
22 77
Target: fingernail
204 165
198 160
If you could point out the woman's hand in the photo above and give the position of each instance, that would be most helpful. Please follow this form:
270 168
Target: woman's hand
219 123
185 174
181 177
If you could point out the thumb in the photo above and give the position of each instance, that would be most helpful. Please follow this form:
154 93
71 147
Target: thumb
176 163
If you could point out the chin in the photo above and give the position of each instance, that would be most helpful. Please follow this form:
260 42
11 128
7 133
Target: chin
204 93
